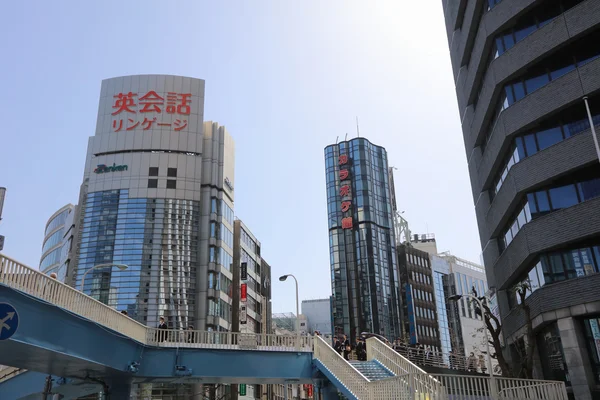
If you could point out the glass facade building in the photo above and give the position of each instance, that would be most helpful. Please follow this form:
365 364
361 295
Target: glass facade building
157 239
360 206
57 243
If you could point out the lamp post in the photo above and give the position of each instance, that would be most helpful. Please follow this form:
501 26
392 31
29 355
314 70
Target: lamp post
593 128
457 297
283 279
122 267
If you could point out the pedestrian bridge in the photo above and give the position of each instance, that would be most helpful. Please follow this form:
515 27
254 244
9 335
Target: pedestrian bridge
56 330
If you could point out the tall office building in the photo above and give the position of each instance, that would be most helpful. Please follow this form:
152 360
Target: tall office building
57 244
522 70
251 306
418 298
157 196
361 206
460 328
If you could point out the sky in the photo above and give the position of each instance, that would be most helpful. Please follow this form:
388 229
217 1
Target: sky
286 79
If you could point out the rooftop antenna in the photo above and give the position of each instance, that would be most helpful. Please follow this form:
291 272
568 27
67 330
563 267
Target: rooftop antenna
357 130
337 138
346 138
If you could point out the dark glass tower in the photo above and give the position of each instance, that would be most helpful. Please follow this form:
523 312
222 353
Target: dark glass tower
360 208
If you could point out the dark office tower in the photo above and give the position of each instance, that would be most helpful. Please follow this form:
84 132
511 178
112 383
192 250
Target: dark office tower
522 70
418 297
361 239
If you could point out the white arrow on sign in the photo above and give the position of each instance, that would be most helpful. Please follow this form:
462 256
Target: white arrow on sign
3 324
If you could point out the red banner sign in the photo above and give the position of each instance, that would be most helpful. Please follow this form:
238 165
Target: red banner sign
150 106
244 292
345 192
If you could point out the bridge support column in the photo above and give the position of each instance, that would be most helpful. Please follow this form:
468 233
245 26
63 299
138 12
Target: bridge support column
328 392
118 391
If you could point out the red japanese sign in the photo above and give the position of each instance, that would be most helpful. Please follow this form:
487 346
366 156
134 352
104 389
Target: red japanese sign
309 390
148 105
345 192
243 292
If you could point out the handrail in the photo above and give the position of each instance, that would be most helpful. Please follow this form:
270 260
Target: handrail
34 283
400 365
345 372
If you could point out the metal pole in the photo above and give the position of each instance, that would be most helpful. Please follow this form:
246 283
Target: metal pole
589 113
297 316
286 392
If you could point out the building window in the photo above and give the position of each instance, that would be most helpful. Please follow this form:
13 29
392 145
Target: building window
171 184
592 334
153 171
152 183
172 172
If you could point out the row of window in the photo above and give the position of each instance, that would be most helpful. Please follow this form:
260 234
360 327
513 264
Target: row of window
219 255
57 221
219 308
171 172
423 295
221 231
559 266
552 68
153 184
252 265
51 258
531 143
221 208
544 201
53 240
427 331
532 21
421 278
247 240
219 282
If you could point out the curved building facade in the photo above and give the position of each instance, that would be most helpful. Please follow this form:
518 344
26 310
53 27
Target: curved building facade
158 197
56 246
522 69
364 271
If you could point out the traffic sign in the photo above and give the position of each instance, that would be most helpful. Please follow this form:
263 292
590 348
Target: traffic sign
9 321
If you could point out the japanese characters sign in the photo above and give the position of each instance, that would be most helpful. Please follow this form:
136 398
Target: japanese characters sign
143 111
101 169
345 192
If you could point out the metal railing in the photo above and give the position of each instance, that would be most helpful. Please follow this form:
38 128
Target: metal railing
400 365
36 284
350 377
458 362
468 387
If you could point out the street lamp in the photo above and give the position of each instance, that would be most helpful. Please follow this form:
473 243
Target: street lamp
593 128
122 267
457 297
283 278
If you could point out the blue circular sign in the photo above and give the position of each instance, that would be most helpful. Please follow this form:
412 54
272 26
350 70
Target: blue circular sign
9 321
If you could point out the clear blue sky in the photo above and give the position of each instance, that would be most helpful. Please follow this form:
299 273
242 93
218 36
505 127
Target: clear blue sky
286 78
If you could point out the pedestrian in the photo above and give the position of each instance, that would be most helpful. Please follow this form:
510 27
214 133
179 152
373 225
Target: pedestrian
191 336
162 327
337 346
124 312
347 348
53 275
472 363
361 350
482 365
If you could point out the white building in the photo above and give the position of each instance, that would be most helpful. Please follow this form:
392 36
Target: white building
318 315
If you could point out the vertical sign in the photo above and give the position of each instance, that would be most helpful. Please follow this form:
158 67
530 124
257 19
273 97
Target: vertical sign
243 315
242 389
244 271
345 192
243 292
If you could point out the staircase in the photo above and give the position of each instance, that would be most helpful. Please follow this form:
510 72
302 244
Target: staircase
372 370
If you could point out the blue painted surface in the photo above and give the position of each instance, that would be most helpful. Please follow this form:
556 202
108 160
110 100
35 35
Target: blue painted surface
53 341
9 321
335 381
